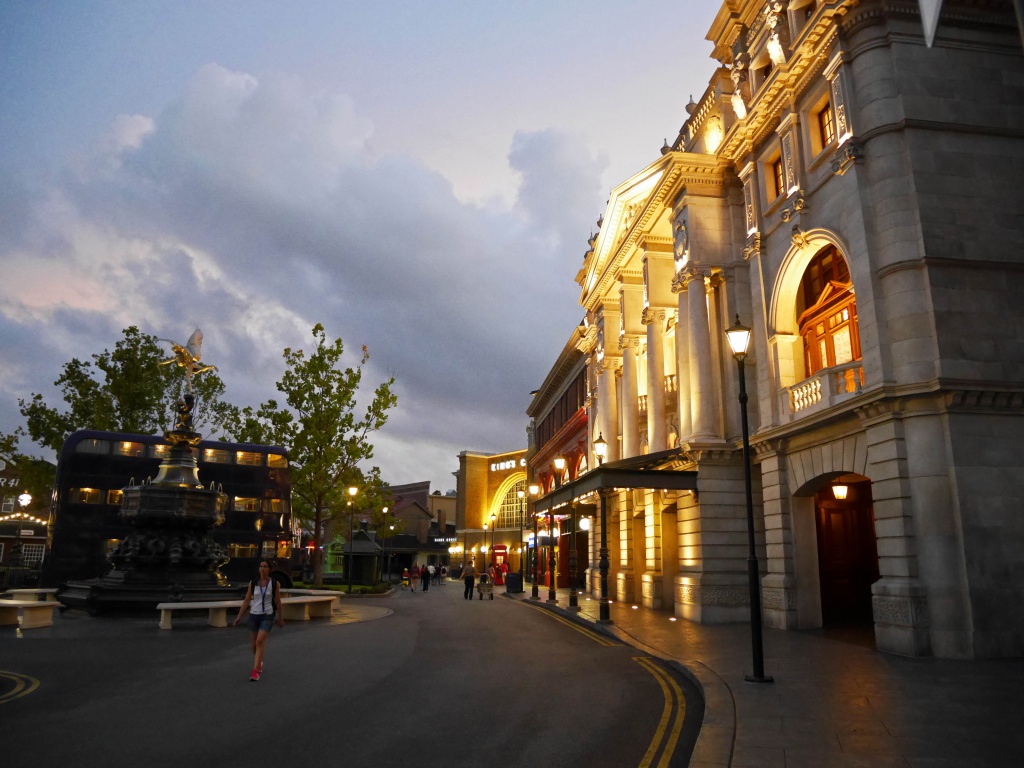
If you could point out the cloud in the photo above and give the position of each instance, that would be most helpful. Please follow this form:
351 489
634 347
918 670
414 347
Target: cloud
255 208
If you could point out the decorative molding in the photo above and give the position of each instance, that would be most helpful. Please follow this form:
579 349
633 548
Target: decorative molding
730 597
777 599
844 159
900 611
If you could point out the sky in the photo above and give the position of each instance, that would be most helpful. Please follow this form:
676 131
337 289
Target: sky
419 177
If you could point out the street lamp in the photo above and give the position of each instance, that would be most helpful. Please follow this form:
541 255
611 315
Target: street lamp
352 491
23 500
534 592
522 526
574 603
552 596
604 613
739 340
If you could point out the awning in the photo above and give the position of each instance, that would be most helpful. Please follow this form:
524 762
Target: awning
634 472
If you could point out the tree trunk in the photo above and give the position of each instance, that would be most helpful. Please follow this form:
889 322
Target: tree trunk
318 552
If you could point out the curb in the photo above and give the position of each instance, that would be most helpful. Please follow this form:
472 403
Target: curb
714 746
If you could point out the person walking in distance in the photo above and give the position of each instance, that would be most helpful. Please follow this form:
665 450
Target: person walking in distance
427 575
468 577
415 573
263 601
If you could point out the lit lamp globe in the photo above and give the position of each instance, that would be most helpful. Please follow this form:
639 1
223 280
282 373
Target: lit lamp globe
600 448
739 338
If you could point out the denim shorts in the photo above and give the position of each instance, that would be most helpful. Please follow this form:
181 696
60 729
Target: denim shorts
260 622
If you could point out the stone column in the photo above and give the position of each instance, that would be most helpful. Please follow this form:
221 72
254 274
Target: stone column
683 362
624 591
607 408
702 394
654 319
630 397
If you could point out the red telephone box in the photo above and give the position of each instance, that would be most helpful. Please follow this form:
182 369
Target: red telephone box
500 560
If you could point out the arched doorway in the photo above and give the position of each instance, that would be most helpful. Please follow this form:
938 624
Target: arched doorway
847 553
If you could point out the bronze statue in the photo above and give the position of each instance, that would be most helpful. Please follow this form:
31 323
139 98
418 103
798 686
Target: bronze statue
188 357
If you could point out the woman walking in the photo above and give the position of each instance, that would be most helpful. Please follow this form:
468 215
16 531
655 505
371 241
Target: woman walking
263 601
415 576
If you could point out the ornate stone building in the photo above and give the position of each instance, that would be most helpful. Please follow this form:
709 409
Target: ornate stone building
853 196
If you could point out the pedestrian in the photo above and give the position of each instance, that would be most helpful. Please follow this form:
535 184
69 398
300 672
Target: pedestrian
405 578
491 573
425 575
468 576
263 601
444 574
415 574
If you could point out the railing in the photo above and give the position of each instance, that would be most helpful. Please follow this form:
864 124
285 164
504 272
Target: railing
643 403
671 385
825 388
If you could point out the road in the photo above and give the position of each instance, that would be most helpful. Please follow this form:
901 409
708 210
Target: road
432 680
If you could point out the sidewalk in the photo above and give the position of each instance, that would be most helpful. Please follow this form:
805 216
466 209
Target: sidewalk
835 701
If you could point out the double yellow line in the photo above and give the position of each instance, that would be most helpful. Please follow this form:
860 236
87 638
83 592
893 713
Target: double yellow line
597 637
671 724
23 686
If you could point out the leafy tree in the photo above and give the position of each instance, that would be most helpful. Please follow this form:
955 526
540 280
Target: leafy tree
36 475
326 439
123 391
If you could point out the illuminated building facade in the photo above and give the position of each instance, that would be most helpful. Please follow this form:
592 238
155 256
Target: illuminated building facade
854 197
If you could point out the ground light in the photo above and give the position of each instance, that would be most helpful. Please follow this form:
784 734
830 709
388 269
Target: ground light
739 340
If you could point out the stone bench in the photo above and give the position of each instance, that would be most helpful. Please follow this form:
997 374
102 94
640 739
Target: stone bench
30 594
34 613
297 608
301 608
217 611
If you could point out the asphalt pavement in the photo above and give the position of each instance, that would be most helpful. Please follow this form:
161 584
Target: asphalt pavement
835 701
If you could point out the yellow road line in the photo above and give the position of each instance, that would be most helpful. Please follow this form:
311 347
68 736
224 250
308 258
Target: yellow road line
23 686
665 737
597 637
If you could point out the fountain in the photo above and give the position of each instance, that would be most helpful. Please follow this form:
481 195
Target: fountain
169 555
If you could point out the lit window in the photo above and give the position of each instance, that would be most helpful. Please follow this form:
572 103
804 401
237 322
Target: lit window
110 545
127 448
277 506
32 554
160 450
778 179
284 548
114 497
826 126
215 456
249 458
827 312
269 549
241 550
85 496
277 460
244 504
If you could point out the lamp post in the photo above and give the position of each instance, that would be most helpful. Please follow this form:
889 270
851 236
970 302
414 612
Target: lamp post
522 526
535 591
574 603
604 613
352 491
493 525
22 501
739 339
552 596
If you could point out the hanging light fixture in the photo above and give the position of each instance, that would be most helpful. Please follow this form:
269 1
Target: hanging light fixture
840 491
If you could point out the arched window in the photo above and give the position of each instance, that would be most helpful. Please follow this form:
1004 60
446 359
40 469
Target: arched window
511 513
827 313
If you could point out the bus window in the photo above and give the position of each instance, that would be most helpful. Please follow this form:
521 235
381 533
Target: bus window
111 545
92 445
214 456
159 451
114 497
85 496
249 458
277 461
284 549
244 504
241 550
269 549
127 448
277 506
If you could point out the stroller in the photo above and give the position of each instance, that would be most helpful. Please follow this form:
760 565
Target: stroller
485 587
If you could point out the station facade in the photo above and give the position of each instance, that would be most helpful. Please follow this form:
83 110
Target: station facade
853 197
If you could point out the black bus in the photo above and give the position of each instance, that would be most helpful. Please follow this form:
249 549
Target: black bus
93 467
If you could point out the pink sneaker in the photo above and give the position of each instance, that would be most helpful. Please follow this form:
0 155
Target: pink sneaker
255 676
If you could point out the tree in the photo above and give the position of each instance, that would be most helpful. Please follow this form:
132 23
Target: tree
36 475
134 394
327 440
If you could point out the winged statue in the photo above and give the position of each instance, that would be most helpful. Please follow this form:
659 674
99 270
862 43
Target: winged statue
188 357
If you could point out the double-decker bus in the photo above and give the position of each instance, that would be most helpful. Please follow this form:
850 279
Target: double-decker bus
93 467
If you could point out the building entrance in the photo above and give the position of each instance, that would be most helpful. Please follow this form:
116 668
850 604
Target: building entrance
847 553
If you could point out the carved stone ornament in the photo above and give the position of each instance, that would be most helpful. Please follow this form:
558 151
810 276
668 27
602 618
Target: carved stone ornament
798 236
754 246
847 155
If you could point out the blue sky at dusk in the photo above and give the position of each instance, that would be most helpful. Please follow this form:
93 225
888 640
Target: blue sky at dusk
421 178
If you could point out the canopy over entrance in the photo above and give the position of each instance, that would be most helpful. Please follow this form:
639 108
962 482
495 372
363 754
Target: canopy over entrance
634 472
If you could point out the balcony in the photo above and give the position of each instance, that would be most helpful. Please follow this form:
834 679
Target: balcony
826 388
671 386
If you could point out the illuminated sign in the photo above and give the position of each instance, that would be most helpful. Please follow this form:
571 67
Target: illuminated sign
505 466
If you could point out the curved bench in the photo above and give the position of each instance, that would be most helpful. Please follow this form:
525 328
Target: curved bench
33 613
297 608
